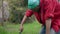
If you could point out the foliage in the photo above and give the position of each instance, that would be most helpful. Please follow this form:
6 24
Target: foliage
17 10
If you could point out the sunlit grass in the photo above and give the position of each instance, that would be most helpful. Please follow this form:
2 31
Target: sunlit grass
30 28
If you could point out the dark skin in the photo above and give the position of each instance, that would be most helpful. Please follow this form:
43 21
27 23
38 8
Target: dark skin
48 21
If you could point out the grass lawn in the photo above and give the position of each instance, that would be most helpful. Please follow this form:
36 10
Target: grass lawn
30 28
2 30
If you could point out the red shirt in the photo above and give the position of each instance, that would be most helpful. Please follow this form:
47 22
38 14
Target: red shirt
49 9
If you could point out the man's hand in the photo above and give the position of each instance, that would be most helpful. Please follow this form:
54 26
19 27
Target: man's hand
21 28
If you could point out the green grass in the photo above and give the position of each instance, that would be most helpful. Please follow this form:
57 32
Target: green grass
30 28
2 30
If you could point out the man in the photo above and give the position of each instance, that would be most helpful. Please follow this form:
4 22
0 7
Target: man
44 13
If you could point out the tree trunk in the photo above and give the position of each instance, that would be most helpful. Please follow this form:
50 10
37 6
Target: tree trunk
2 14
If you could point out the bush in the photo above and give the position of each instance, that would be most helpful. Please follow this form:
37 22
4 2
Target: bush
17 10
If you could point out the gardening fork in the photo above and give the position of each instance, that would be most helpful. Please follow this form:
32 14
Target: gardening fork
20 32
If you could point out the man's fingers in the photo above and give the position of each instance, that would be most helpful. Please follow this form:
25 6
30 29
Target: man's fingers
21 30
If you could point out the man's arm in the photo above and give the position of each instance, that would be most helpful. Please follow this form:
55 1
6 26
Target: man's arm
48 26
49 7
23 21
27 14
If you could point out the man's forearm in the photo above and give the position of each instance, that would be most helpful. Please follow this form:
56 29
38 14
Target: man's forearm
48 25
24 19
